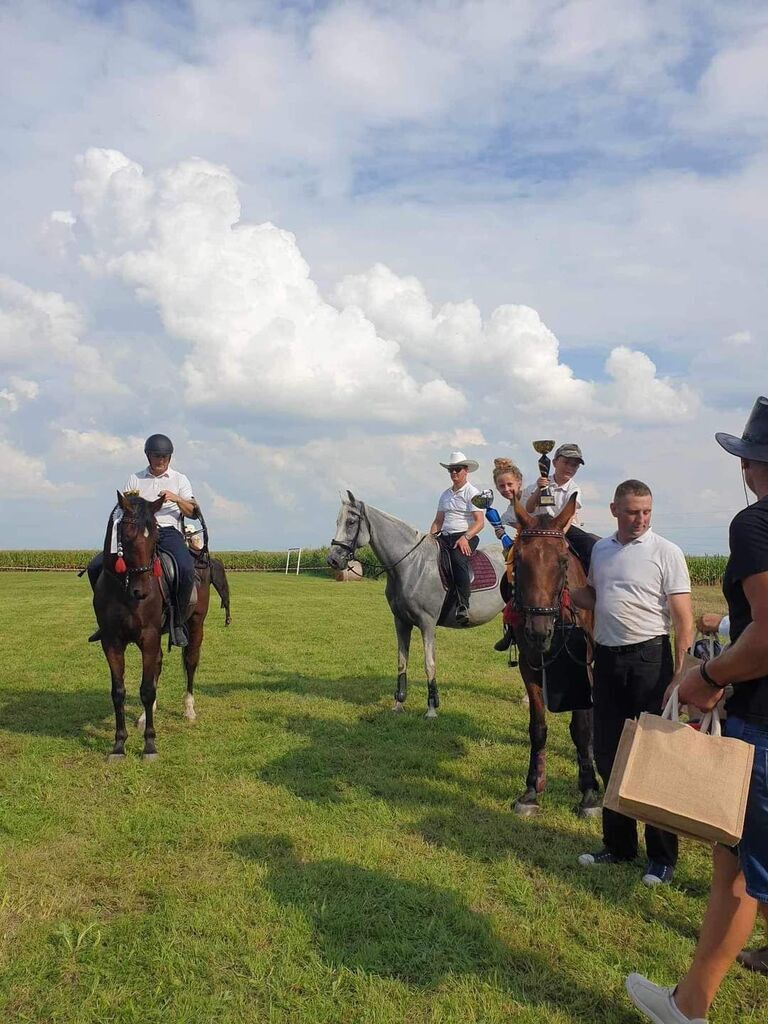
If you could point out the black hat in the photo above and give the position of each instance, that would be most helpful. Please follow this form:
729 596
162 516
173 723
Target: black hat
753 443
158 444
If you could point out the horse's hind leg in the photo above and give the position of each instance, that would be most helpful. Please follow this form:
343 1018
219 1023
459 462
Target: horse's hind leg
116 660
528 802
403 630
148 692
191 658
590 805
433 698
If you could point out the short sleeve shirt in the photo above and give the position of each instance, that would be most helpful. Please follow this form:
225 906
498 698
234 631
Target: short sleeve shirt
509 518
561 494
458 509
632 584
748 542
149 487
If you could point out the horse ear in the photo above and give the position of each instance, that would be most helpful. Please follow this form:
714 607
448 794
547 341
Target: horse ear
121 500
156 505
524 517
351 497
565 513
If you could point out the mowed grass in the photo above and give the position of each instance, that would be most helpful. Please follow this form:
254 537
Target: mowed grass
300 853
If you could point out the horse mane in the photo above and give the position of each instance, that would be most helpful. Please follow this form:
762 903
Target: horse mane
393 519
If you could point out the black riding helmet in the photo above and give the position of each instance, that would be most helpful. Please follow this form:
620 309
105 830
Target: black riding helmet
158 444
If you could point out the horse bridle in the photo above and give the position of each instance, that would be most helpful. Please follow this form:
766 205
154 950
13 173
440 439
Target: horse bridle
552 610
137 570
352 548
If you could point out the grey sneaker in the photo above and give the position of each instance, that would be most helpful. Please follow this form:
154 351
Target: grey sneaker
658 874
657 1003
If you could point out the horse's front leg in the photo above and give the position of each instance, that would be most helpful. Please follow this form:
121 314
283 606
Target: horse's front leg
116 660
150 649
528 802
590 805
141 721
403 630
191 659
433 698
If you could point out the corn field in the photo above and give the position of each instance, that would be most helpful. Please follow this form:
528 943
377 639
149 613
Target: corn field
704 569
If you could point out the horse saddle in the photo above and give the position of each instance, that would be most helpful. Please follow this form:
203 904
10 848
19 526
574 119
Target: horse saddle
170 581
482 573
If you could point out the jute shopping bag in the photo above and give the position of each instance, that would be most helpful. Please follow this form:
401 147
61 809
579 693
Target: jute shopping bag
691 782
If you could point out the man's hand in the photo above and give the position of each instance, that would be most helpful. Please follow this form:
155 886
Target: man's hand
693 690
709 623
169 496
463 545
542 482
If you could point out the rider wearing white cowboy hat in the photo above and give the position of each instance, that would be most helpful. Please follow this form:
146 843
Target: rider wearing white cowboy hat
458 522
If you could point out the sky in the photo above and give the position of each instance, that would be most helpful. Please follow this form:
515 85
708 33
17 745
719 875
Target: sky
322 245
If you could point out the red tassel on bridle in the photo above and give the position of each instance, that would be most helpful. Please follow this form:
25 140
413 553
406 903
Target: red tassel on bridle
157 569
120 566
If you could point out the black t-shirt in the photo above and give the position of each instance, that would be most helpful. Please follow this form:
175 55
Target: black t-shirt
748 542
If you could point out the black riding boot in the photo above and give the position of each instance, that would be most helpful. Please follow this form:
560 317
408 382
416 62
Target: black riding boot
506 641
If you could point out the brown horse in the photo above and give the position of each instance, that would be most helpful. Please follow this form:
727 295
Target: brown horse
130 605
545 571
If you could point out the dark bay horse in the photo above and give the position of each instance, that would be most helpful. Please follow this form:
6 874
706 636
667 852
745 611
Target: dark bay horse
545 571
129 603
415 591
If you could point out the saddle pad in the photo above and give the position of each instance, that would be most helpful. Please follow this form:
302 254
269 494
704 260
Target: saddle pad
481 571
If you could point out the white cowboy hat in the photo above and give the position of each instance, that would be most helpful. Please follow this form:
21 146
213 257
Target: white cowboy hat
460 459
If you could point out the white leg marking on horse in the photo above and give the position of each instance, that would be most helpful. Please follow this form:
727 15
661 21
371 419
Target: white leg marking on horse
141 721
189 708
398 706
431 713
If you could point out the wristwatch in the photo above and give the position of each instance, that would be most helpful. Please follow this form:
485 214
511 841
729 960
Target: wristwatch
708 678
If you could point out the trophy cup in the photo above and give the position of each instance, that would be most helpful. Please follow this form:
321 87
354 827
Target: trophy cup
484 500
543 448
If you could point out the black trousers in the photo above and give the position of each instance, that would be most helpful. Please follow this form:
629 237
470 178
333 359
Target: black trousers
581 543
625 684
460 565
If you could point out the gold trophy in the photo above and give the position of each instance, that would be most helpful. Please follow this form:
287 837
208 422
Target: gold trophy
546 500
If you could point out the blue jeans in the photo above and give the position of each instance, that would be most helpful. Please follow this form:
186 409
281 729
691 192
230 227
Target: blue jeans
753 848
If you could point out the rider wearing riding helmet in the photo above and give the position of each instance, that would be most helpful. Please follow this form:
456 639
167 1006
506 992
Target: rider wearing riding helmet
159 480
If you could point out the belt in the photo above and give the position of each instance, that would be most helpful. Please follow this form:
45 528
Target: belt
655 641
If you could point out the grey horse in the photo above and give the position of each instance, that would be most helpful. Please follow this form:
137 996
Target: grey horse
414 588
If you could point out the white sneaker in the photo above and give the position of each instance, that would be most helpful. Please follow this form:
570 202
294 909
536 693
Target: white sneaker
656 1002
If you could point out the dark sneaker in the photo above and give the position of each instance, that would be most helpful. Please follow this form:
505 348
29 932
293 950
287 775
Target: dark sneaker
590 860
754 959
94 638
658 874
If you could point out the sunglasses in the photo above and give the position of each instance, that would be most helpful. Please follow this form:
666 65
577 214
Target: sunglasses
457 469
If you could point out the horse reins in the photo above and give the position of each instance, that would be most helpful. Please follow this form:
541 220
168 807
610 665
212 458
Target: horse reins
352 548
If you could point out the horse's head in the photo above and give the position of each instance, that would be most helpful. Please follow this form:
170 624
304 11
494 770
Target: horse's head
541 572
137 537
352 532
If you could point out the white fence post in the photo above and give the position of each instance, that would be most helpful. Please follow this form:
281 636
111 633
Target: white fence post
288 559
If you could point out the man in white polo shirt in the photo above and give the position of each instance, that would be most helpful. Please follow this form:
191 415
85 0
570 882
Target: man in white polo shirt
638 585
159 479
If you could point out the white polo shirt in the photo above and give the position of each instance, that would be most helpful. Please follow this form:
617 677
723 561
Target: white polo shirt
458 508
149 487
561 493
632 583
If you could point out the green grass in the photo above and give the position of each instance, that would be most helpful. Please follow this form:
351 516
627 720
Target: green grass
299 853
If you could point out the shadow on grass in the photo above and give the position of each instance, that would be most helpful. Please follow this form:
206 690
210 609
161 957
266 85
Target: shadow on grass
416 933
47 713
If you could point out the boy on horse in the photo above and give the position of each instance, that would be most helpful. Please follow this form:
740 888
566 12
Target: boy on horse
457 522
566 463
159 480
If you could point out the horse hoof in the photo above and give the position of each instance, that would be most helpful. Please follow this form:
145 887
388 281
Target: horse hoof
526 810
115 757
190 716
398 708
151 756
525 700
431 713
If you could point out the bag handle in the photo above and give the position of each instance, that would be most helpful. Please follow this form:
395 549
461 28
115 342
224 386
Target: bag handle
710 723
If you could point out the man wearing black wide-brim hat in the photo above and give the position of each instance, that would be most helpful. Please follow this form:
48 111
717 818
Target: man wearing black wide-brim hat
740 877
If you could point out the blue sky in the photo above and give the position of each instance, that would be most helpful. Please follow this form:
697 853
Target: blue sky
324 244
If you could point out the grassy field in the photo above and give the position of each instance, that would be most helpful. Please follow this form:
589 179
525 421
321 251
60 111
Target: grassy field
300 854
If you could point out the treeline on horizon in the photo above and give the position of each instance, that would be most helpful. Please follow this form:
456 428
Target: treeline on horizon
704 569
